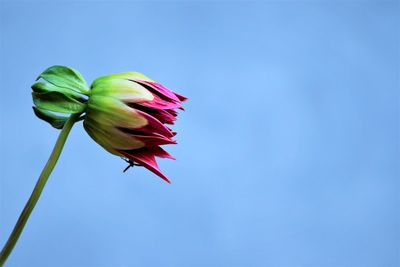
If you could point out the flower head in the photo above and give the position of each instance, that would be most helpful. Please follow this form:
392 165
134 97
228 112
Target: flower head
125 113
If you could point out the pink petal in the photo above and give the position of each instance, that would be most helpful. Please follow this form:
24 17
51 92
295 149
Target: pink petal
181 97
164 116
161 153
153 126
160 89
164 98
159 103
146 157
155 140
173 112
149 140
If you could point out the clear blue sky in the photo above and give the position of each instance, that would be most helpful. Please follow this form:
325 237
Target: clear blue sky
288 152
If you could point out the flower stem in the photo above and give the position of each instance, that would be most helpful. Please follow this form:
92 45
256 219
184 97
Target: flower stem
23 218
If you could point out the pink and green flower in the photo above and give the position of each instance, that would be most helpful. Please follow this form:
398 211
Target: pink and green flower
127 115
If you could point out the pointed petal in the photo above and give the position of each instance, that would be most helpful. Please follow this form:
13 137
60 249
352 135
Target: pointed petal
147 159
159 103
160 90
153 126
164 116
161 153
181 97
148 140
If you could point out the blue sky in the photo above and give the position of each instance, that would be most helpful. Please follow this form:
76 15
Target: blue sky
288 150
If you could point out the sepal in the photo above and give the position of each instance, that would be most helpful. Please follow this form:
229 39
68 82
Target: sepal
65 77
54 120
44 87
57 102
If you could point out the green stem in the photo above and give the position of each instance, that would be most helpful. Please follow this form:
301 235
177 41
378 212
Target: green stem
23 218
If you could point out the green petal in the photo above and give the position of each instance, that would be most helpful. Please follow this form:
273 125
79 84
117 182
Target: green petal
42 87
111 137
57 102
122 89
55 120
65 77
112 112
133 76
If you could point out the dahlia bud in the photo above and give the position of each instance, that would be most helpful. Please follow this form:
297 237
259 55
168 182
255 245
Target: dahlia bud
126 114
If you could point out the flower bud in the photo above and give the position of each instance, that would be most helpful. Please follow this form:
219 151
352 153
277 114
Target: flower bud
126 114
64 90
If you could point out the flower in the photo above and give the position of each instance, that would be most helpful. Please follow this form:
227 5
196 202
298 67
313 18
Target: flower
125 113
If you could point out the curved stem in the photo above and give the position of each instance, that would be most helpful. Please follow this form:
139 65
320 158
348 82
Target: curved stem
55 154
